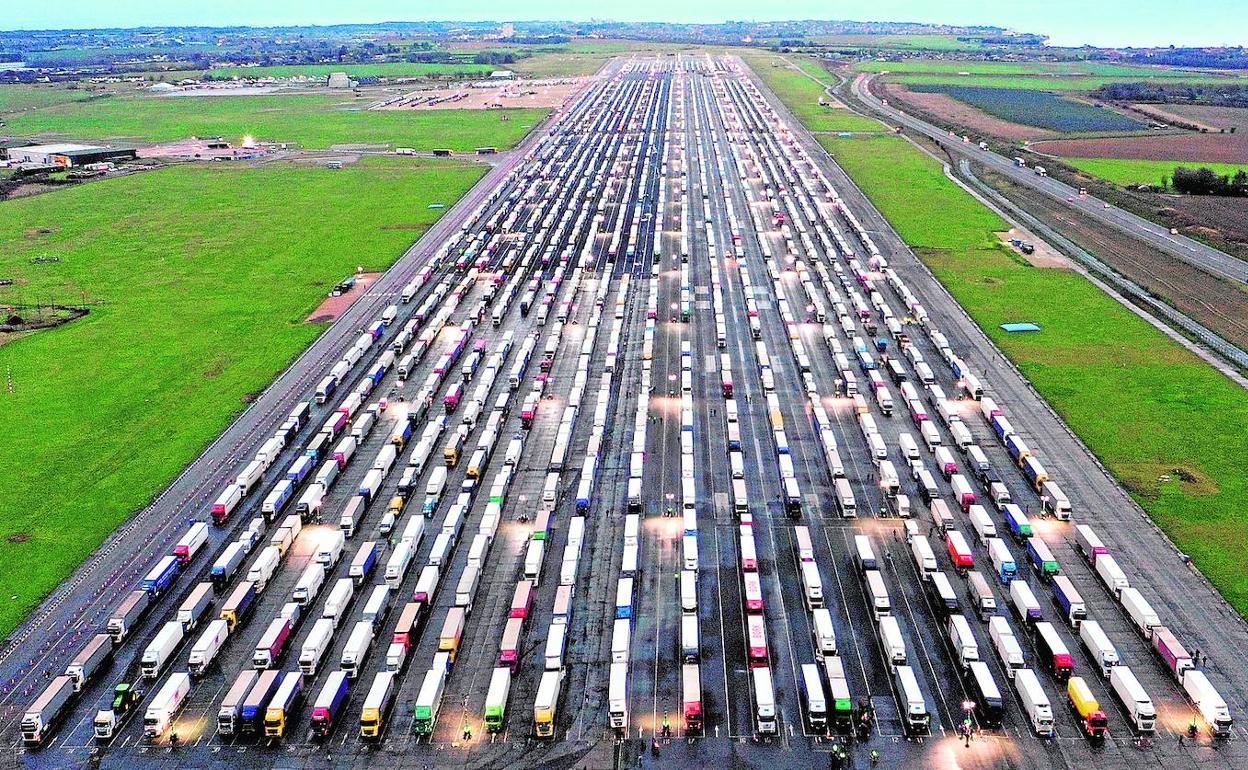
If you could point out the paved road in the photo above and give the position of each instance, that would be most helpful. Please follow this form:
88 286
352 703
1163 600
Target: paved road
1207 258
688 149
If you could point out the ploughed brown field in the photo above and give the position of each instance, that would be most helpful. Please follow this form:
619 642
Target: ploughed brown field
952 111
1189 147
1221 221
1216 118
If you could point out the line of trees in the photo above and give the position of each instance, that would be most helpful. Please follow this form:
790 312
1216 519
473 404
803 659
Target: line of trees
1223 58
1204 181
1175 93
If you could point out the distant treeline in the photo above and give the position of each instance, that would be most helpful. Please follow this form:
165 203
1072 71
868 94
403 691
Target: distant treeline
1175 93
1203 181
1224 58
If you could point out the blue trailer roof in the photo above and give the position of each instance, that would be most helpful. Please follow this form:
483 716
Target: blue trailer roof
1020 327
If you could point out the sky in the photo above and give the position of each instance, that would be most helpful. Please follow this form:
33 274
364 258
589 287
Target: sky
1067 22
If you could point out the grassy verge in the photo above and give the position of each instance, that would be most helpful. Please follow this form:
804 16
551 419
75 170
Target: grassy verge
1151 172
791 79
1165 423
314 121
200 278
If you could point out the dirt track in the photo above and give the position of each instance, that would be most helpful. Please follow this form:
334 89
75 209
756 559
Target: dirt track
332 307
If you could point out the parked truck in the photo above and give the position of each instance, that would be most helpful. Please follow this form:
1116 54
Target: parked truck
238 604
328 706
378 703
363 562
281 709
1141 613
1172 652
356 649
1098 646
1068 599
272 643
161 576
90 661
206 647
1210 704
1134 698
227 564
165 706
41 717
1088 714
1052 651
232 704
114 711
1035 702
161 649
195 606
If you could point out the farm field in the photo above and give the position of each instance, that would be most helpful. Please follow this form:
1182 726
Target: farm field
190 314
1105 69
386 70
1126 172
1214 117
1187 147
313 121
791 79
1148 408
1038 108
946 110
1041 82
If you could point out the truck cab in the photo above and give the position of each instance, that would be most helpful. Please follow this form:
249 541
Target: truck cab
114 711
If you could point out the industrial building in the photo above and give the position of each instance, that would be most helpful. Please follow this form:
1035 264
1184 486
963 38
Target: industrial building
339 80
68 155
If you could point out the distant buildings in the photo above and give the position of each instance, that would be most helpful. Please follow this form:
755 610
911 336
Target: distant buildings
68 155
502 75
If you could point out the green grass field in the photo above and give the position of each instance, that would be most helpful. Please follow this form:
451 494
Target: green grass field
385 70
201 278
19 98
1044 82
1127 172
1147 407
559 64
801 92
313 121
953 67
